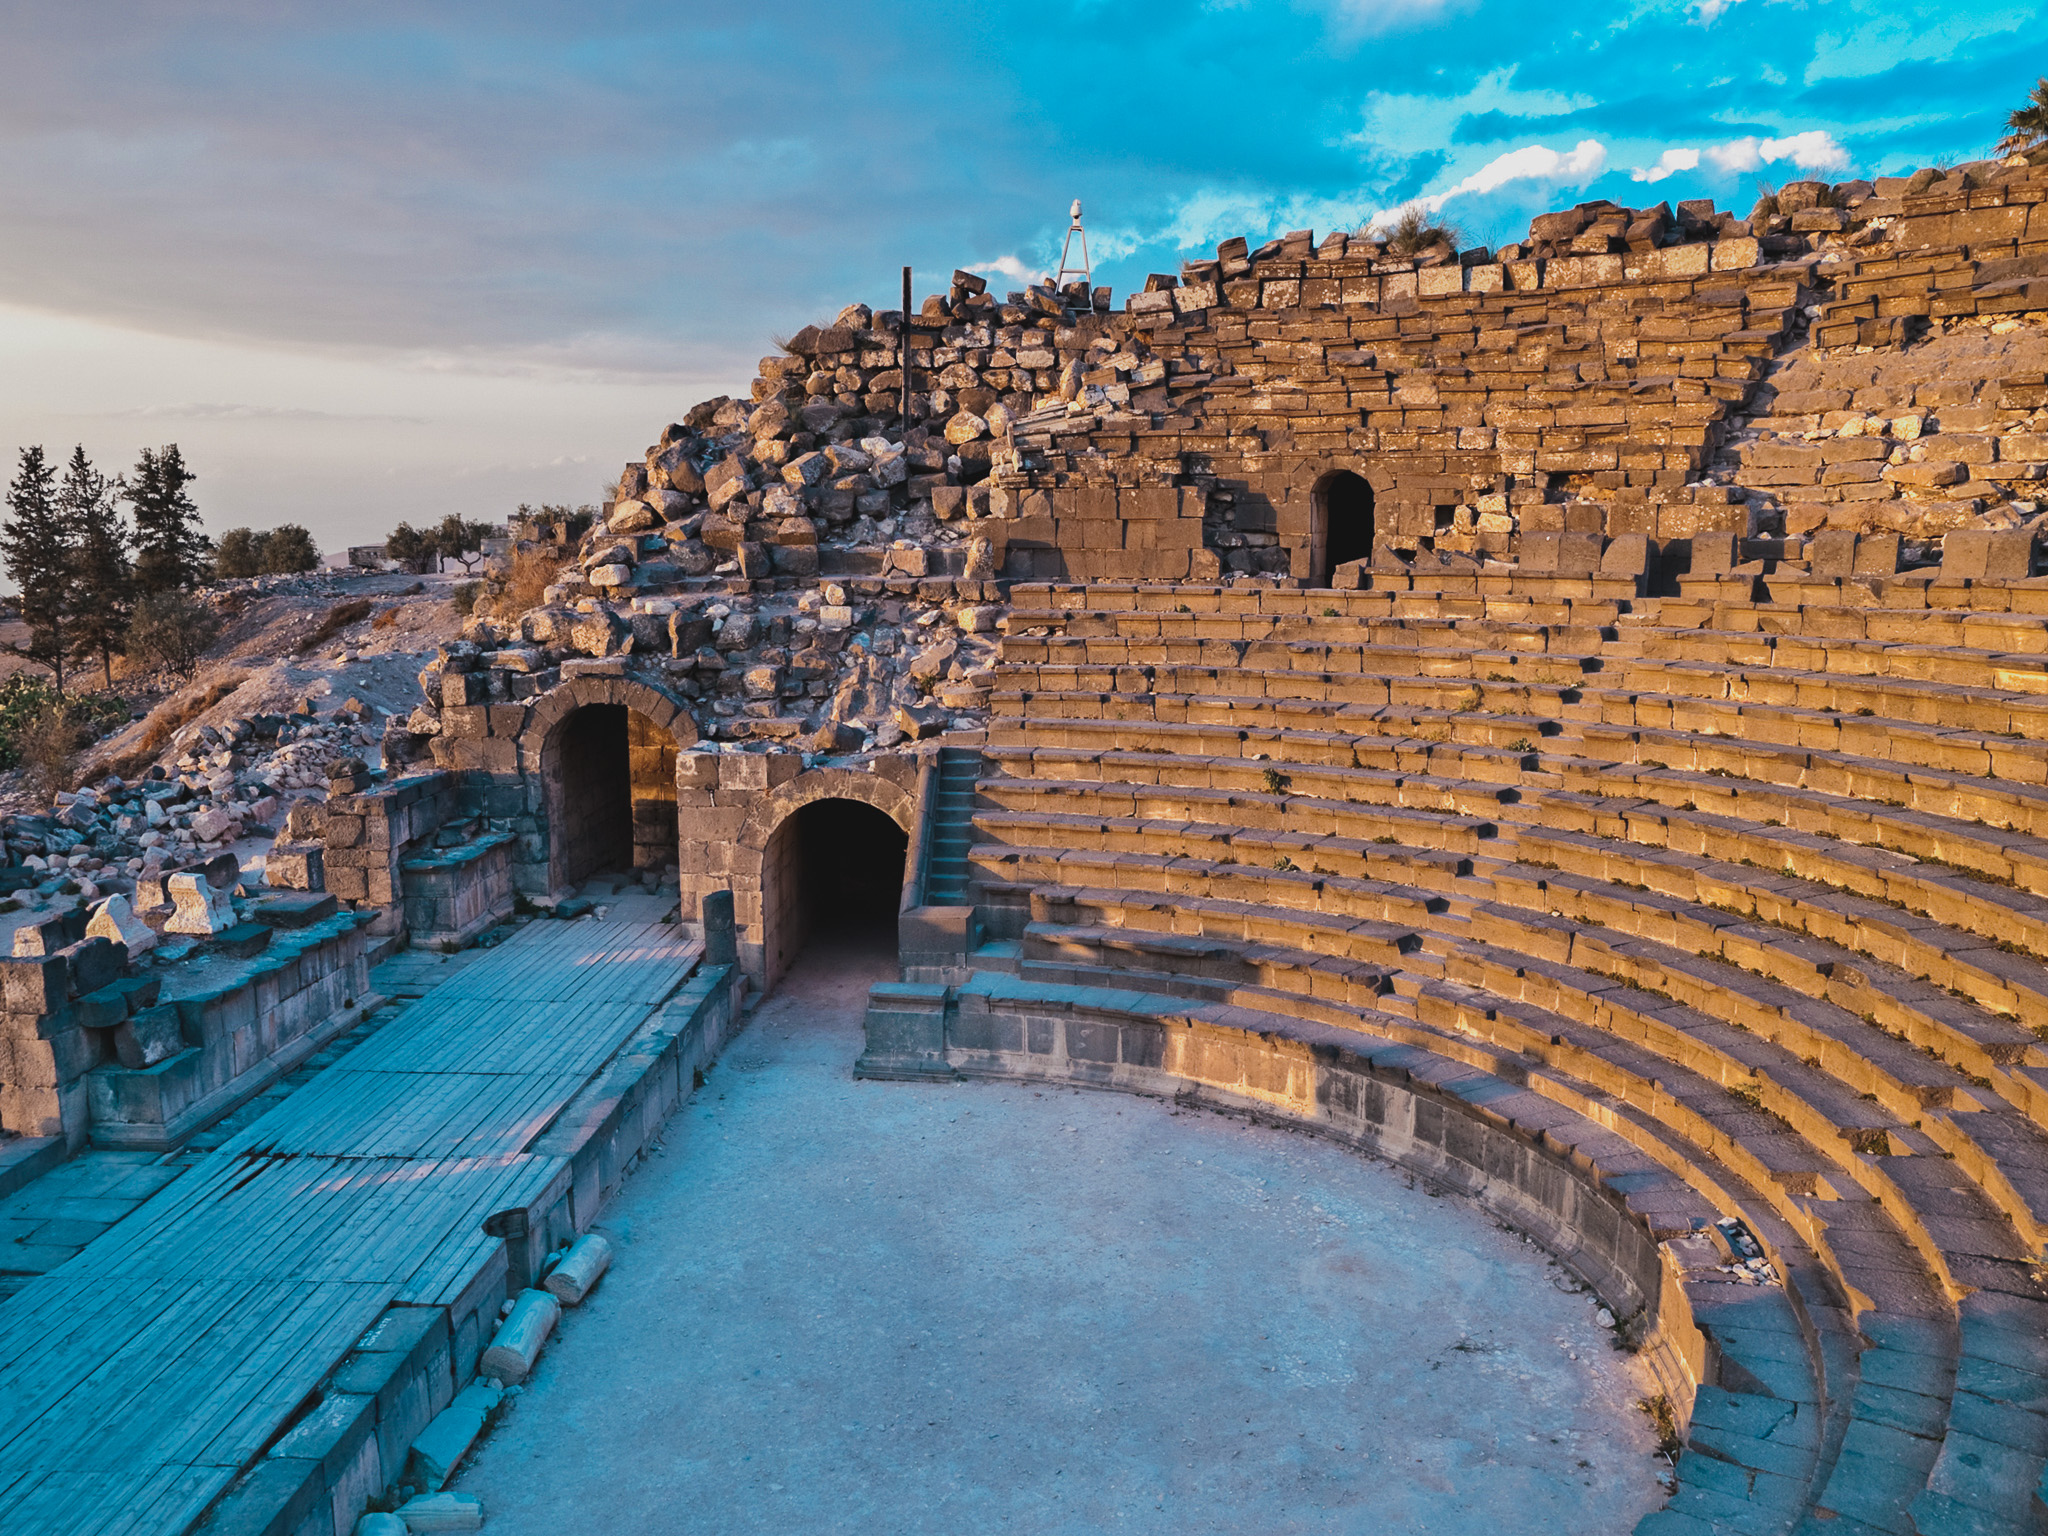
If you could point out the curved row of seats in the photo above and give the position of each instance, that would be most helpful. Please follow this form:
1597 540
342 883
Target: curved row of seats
1762 889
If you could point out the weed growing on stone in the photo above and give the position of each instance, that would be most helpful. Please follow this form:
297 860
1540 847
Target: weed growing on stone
1665 1422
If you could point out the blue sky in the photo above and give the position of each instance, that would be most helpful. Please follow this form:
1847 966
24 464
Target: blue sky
374 261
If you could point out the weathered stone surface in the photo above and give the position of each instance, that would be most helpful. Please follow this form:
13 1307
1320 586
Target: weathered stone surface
198 907
115 919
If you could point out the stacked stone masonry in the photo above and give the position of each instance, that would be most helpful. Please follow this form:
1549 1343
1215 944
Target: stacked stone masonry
1621 798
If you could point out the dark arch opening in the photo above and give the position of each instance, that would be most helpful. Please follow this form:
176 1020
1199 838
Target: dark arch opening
1347 521
617 806
834 872
597 792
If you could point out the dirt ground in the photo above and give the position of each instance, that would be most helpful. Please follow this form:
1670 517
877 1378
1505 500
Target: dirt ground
880 1307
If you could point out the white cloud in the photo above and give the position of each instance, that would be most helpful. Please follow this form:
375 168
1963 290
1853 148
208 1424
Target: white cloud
1535 162
1412 124
1710 11
220 411
1670 163
1012 267
1814 150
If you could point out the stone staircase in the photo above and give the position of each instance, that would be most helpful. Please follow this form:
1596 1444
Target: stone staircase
951 827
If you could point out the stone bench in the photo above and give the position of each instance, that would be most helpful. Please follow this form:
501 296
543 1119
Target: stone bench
1232 813
1923 966
1915 1086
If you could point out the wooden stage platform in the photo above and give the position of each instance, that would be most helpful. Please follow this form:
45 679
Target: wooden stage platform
139 1378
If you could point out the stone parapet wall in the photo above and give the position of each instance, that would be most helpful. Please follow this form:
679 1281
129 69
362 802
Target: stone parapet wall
454 894
240 1026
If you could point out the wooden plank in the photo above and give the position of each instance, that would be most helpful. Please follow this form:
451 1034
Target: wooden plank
138 1378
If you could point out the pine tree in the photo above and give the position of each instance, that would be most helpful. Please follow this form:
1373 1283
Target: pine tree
37 547
170 551
105 582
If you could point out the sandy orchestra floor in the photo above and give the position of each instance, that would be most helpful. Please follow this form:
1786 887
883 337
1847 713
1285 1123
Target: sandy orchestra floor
875 1307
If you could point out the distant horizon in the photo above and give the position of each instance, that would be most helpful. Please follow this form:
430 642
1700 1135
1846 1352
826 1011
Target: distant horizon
390 265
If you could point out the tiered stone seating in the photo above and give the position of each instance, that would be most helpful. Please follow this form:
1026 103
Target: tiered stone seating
1758 888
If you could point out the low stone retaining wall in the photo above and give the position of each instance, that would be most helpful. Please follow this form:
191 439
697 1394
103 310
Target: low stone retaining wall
454 894
367 835
243 1024
1319 1081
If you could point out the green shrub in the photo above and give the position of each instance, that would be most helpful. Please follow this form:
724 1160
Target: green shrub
239 553
279 551
41 728
289 549
172 630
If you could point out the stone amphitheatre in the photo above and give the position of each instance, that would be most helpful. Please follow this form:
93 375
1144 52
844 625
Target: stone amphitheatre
1569 722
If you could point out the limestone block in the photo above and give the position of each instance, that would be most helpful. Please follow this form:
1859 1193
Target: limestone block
48 937
612 576
115 919
198 908
440 1447
1715 554
1928 473
442 1512
601 633
965 427
150 1036
518 1342
1877 554
213 826
1997 554
1626 555
95 962
1832 553
572 1279
294 866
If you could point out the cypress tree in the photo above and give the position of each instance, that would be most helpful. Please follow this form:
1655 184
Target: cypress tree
170 551
37 547
104 580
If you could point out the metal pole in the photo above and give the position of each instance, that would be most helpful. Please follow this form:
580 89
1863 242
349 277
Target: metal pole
904 337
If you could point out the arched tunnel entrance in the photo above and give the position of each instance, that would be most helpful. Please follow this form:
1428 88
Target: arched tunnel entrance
833 871
615 808
1344 501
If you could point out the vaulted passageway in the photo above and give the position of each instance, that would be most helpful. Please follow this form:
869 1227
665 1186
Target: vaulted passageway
614 788
833 868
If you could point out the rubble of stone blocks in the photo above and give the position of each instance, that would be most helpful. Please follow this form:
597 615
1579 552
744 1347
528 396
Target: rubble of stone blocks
226 784
137 1023
1620 394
